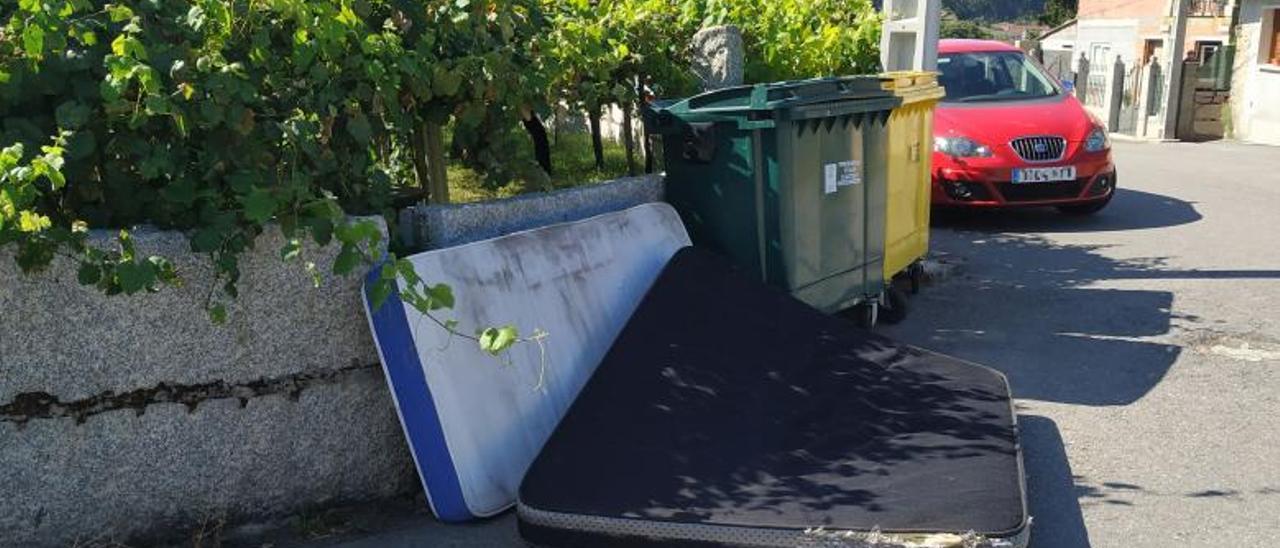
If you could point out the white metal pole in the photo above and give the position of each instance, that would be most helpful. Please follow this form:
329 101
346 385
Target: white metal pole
909 39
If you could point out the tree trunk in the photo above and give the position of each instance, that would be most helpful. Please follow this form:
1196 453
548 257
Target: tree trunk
647 145
557 120
597 146
438 178
628 138
541 146
421 166
648 154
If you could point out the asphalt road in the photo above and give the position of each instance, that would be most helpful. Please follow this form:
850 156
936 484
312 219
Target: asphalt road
1143 345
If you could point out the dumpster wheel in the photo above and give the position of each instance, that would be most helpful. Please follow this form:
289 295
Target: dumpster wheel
865 313
916 275
894 309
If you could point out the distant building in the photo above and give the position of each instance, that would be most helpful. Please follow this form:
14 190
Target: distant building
1014 32
1255 100
1133 37
1058 50
1136 30
1060 38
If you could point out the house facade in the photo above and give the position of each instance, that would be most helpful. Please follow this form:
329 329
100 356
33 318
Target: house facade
1127 48
1058 50
1255 95
1138 30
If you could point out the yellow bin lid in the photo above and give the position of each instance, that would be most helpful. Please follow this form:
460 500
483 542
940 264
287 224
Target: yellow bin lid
913 85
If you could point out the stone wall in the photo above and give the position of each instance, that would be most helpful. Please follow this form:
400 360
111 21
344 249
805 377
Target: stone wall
436 226
133 417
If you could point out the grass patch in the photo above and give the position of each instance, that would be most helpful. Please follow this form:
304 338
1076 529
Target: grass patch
572 161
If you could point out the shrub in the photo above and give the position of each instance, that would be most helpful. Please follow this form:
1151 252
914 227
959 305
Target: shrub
218 117
796 39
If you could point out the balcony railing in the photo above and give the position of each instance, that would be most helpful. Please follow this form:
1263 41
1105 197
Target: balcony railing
1208 8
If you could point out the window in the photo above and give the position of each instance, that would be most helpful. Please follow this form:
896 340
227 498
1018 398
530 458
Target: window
993 77
1208 8
1273 48
1205 50
1152 49
1098 53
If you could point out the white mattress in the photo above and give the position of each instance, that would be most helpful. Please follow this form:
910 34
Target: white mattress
474 423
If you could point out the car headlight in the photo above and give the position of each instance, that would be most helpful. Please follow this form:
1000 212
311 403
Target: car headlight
961 147
1097 141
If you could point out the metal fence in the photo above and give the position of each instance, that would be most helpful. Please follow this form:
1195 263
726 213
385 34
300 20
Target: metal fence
1095 95
1130 99
1058 63
1208 8
1155 102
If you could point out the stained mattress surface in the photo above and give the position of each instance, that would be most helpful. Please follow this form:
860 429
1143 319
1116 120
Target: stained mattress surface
728 412
474 422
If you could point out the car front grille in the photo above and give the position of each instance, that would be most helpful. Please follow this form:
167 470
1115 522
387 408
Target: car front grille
1032 192
1039 149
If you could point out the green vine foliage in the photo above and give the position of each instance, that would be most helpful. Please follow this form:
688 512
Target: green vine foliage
222 118
604 52
796 39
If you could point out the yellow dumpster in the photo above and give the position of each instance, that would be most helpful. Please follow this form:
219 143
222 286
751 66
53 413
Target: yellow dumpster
910 153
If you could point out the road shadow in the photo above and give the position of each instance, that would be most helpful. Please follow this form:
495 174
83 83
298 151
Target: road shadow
1051 491
1033 309
1129 210
1023 305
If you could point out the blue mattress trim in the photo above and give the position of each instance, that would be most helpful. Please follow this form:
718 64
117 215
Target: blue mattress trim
416 406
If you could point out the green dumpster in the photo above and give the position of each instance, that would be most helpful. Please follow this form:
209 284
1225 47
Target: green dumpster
788 180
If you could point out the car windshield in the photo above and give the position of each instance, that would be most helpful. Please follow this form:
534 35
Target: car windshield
988 76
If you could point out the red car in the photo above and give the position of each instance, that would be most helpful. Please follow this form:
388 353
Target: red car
1009 135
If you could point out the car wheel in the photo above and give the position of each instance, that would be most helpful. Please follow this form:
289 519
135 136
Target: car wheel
1083 210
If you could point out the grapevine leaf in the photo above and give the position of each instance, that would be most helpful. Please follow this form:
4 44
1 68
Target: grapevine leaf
218 314
380 291
134 276
441 296
89 274
347 260
33 41
495 340
359 129
259 206
291 250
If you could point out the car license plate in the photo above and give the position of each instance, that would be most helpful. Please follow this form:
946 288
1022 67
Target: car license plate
1044 174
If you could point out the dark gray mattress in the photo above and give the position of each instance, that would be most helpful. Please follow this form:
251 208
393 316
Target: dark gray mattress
728 413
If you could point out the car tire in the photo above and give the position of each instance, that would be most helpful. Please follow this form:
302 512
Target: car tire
1084 210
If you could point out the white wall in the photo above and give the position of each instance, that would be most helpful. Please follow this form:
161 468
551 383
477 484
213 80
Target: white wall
1120 35
1256 86
1062 40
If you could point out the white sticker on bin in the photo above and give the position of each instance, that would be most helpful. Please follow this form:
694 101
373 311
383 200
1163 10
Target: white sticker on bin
838 174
